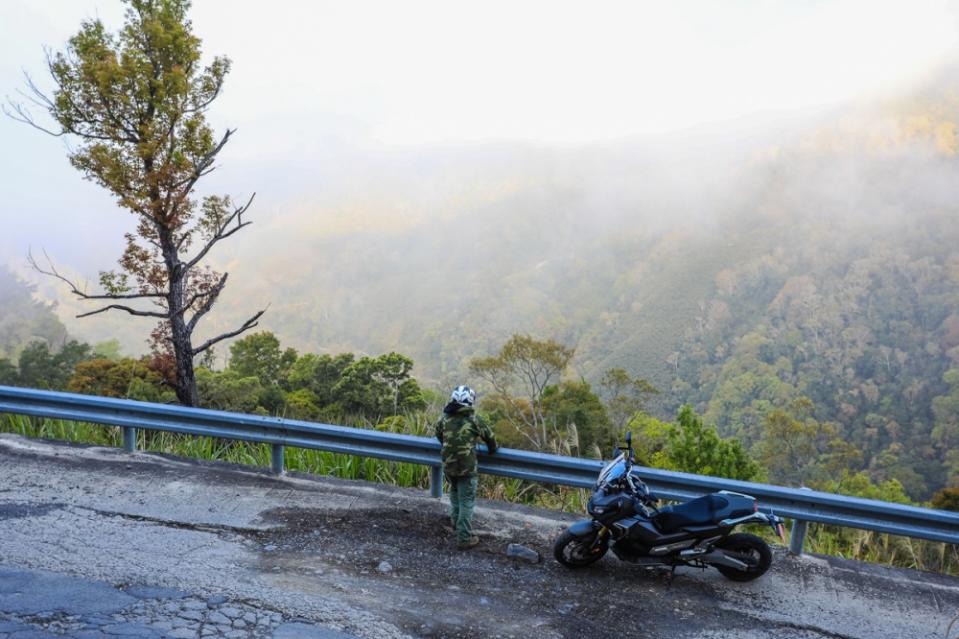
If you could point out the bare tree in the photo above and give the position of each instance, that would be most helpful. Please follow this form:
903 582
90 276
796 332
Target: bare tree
135 102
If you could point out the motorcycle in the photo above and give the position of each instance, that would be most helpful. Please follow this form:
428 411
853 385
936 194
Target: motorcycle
697 533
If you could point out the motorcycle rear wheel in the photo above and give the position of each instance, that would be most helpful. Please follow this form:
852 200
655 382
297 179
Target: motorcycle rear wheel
751 550
578 551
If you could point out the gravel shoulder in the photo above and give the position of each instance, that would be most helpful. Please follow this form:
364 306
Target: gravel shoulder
303 554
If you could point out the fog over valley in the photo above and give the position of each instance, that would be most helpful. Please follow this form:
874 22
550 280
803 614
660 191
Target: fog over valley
749 211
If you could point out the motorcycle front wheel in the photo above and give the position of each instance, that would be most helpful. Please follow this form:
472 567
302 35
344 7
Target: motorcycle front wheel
578 551
749 549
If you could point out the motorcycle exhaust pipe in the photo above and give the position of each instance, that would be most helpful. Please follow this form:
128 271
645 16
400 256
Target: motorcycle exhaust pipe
719 558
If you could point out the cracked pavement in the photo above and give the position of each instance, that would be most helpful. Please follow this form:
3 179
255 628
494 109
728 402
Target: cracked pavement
45 604
96 543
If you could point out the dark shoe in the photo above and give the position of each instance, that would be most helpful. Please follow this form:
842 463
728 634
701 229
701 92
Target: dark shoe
466 545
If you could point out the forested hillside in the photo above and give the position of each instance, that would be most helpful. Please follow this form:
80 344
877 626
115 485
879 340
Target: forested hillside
824 268
739 268
856 310
23 318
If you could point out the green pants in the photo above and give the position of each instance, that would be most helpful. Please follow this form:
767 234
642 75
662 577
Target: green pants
462 501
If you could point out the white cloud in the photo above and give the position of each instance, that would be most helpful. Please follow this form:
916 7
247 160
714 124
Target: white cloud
439 71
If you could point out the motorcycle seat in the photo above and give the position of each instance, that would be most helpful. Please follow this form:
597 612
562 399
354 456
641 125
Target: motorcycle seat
708 509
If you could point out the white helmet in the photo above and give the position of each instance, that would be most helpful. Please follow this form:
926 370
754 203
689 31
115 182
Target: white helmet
463 395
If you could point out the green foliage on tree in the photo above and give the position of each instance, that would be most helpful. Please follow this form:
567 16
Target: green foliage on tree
303 403
693 447
228 390
264 378
319 374
689 446
9 375
379 386
134 104
126 378
650 440
519 376
574 407
796 449
946 499
41 368
109 349
860 485
259 355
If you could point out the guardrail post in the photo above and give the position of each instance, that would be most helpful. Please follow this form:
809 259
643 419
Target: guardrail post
797 536
436 481
129 439
276 454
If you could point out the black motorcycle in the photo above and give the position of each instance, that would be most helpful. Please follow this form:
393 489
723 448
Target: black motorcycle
697 533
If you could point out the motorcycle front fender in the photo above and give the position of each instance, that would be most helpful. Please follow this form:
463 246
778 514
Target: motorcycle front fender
584 527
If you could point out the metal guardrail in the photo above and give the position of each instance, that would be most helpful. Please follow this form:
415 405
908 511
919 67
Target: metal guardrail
802 505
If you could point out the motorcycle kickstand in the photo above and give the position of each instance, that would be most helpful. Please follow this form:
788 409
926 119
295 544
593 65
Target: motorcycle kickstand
671 577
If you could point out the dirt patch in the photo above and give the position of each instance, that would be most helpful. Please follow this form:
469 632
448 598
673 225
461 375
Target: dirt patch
403 561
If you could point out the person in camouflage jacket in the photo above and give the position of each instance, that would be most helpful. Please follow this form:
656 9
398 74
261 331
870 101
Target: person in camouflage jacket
458 431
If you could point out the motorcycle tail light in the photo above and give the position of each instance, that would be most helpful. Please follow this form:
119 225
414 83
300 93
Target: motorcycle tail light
755 506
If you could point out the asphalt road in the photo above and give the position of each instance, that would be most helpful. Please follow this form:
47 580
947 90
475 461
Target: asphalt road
95 543
46 604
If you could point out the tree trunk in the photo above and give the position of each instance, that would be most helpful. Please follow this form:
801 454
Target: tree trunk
183 352
180 336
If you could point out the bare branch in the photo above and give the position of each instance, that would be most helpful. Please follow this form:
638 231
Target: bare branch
211 297
131 311
193 299
222 233
39 98
76 291
247 325
19 113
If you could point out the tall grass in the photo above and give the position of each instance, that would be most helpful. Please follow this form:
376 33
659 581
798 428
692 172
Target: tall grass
845 542
61 429
882 548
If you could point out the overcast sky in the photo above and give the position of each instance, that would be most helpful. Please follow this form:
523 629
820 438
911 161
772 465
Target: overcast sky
334 84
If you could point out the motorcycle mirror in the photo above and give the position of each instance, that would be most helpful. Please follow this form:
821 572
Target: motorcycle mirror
629 439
